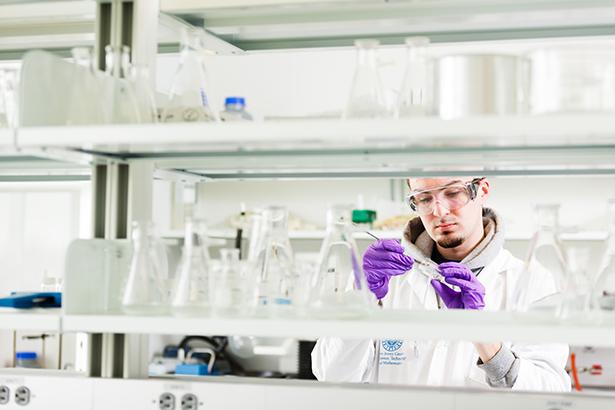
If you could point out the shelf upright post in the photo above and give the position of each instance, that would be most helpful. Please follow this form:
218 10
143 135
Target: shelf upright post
122 191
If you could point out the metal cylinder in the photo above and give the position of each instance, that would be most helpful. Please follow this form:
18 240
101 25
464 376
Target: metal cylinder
480 84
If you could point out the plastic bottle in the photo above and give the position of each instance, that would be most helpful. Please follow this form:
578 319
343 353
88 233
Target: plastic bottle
26 360
235 110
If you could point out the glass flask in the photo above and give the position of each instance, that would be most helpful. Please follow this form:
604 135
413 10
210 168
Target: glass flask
604 287
188 97
545 265
120 95
85 106
576 299
145 291
139 76
192 289
229 295
413 96
271 260
366 99
8 98
339 288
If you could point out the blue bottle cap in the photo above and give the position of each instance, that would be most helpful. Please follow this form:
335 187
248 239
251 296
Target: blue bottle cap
25 355
235 100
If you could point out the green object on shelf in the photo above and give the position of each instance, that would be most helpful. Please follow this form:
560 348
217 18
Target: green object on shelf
362 216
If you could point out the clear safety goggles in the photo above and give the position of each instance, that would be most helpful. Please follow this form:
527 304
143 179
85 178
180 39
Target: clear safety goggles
453 196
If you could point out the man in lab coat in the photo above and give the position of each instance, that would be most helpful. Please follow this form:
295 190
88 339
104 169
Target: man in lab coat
465 239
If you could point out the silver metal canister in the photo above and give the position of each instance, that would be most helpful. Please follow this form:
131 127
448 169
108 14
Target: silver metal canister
480 84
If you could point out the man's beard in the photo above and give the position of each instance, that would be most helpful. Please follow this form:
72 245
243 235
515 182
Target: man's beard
451 242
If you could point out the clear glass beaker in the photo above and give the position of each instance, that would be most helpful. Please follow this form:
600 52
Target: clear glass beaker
145 291
271 261
85 105
604 286
366 98
119 93
339 288
413 97
192 291
545 265
229 294
188 97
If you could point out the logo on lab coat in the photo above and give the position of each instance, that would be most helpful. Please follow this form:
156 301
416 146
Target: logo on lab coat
392 345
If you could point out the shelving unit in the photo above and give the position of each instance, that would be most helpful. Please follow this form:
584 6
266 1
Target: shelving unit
121 160
45 320
426 325
513 145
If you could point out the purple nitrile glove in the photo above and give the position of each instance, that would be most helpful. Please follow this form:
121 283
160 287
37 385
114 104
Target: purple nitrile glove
471 294
383 259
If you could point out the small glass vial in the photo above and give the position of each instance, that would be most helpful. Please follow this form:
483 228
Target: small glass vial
235 110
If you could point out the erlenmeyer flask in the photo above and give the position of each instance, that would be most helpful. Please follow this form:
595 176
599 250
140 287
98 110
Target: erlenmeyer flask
545 266
413 97
577 295
229 296
193 287
604 287
271 261
145 291
139 76
9 113
188 98
339 288
366 99
85 106
120 94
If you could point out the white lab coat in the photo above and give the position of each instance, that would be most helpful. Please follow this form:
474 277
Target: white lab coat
443 363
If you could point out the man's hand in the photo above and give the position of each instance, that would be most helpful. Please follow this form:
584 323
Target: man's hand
383 259
471 294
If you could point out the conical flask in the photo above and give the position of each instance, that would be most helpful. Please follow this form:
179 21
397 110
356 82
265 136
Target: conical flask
545 265
604 287
414 95
189 98
145 291
85 105
120 94
271 262
139 76
576 300
366 99
339 288
192 289
229 285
